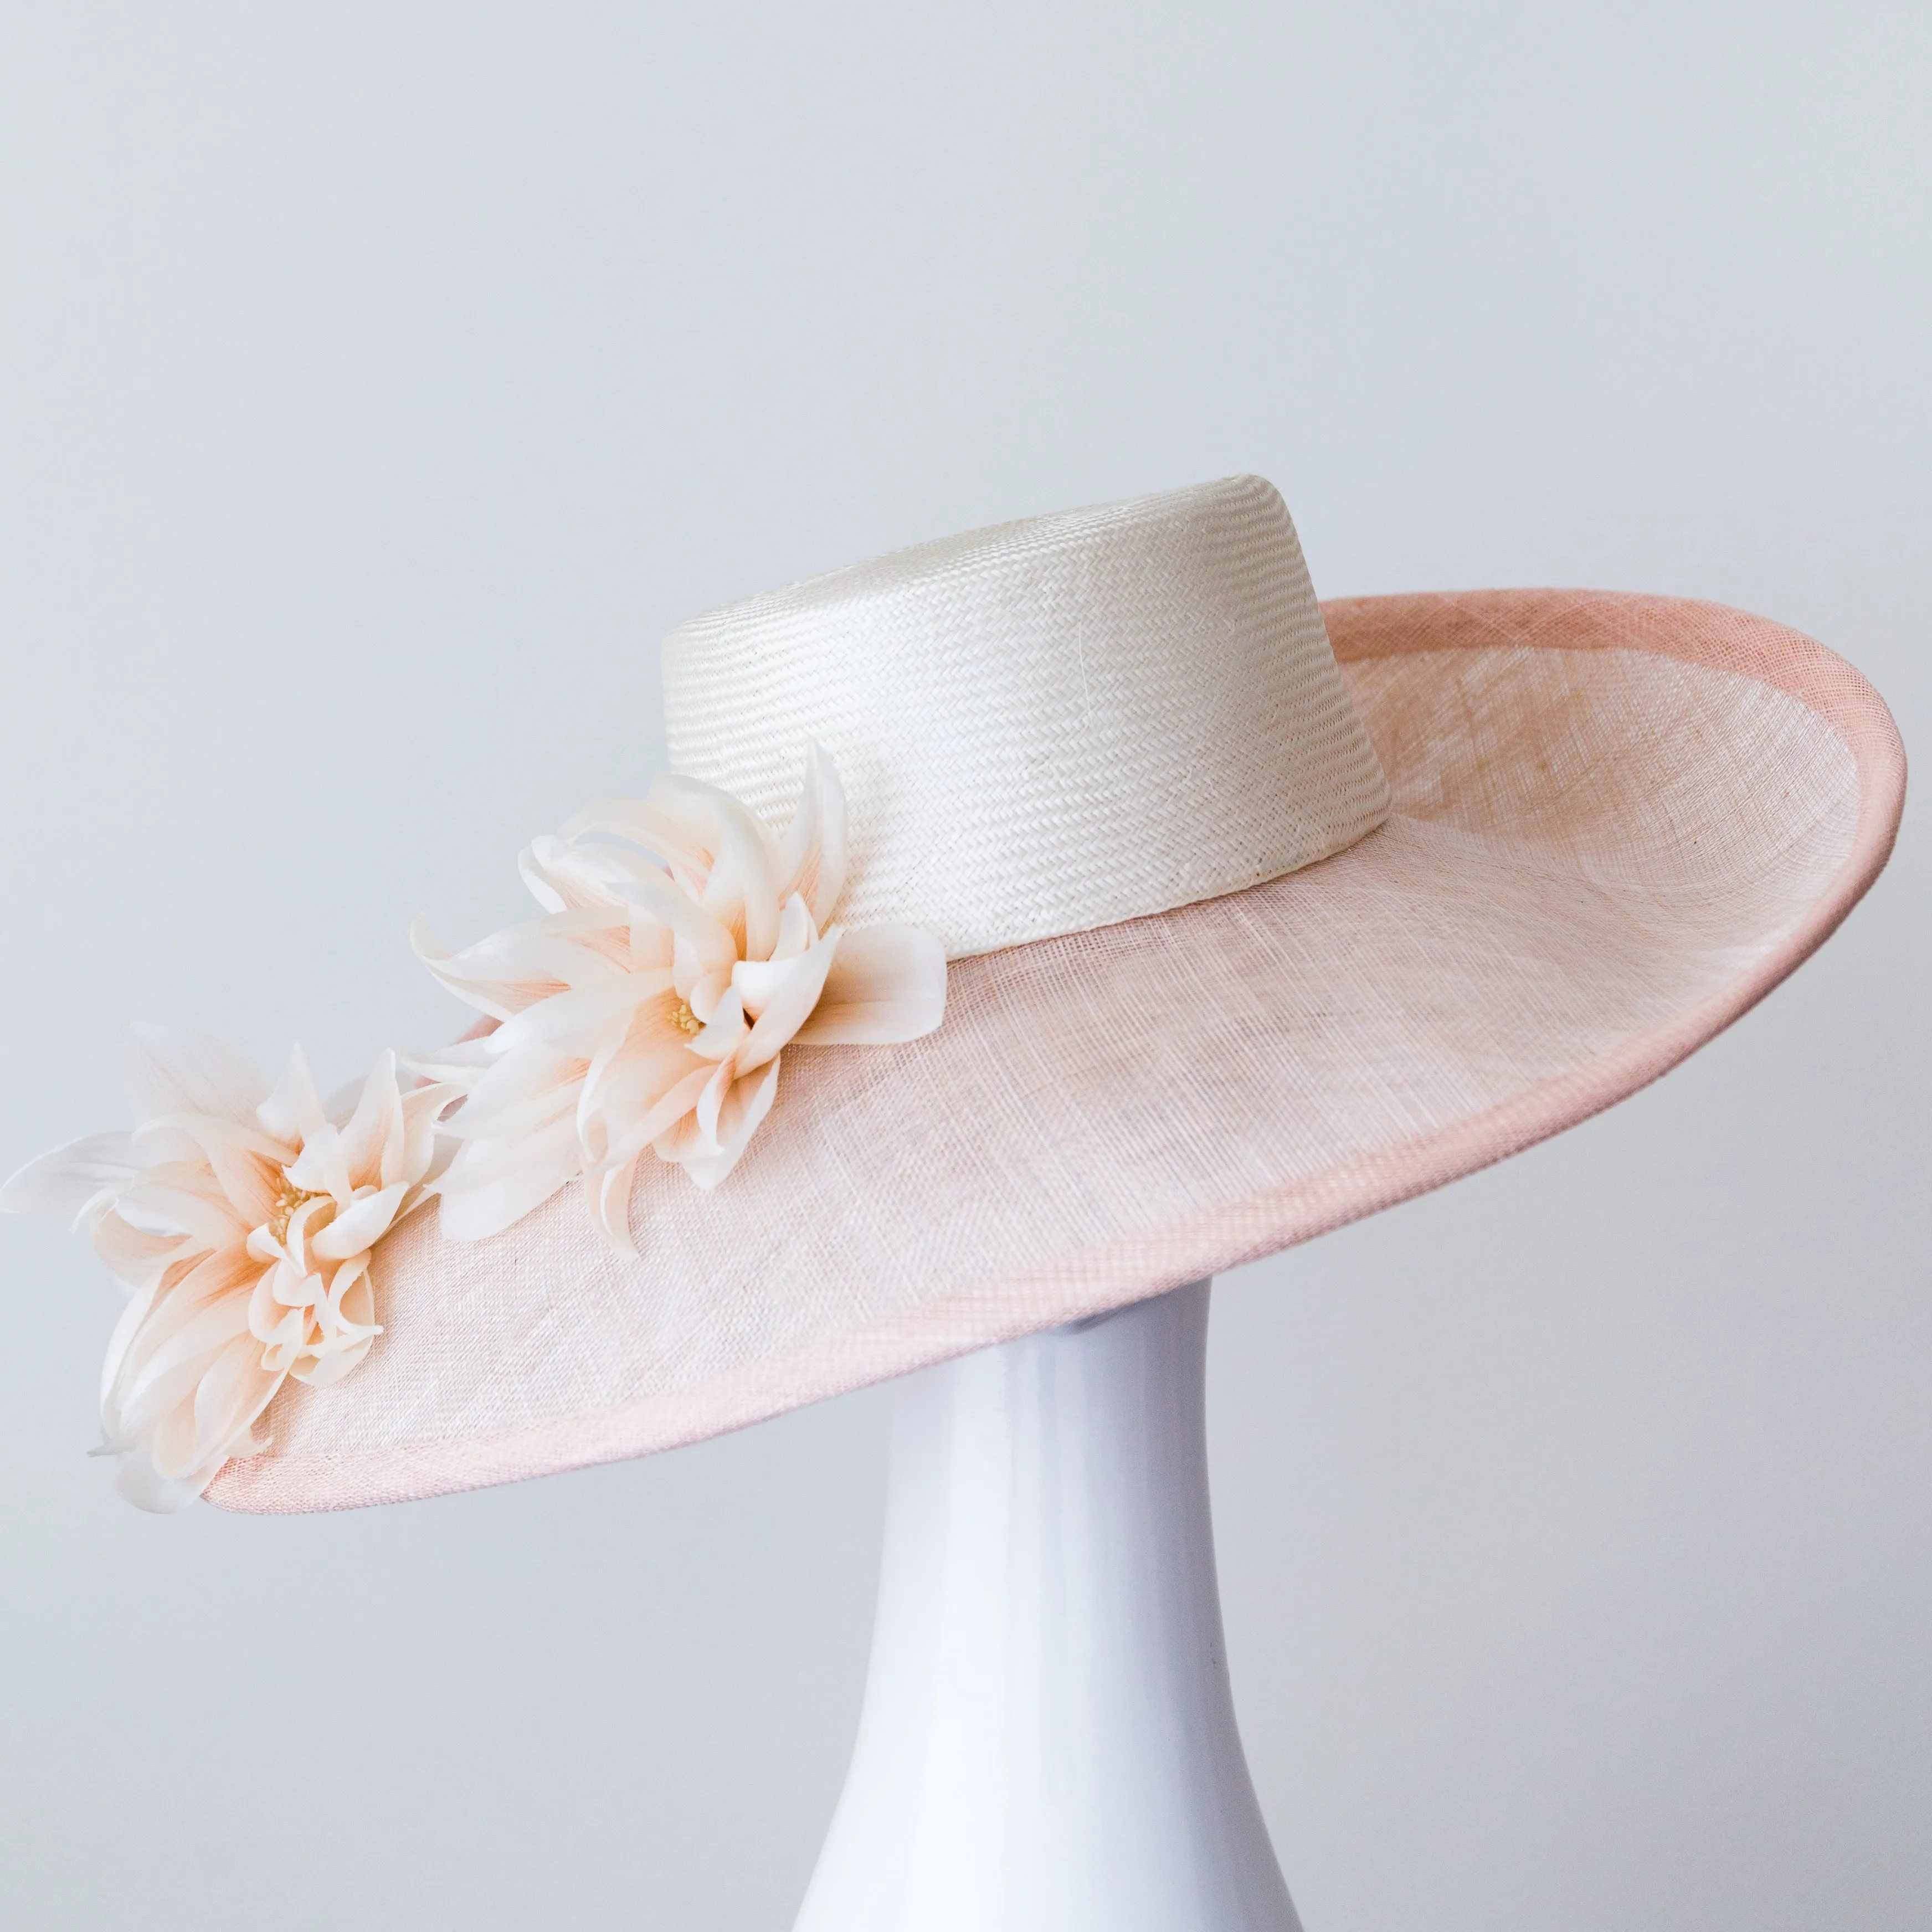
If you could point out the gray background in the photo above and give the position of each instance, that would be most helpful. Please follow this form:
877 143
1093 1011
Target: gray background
378 384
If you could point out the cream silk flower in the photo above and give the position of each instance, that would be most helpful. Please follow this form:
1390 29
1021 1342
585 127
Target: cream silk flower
241 1218
683 946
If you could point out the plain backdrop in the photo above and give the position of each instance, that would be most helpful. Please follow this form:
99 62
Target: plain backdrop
378 383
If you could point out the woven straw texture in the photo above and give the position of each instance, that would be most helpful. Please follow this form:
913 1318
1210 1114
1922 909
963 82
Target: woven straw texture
1617 822
1047 726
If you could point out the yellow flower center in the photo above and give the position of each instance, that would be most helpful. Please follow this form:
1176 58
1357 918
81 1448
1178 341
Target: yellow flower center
685 1020
288 1203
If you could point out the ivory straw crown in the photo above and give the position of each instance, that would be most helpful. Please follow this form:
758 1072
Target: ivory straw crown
1047 726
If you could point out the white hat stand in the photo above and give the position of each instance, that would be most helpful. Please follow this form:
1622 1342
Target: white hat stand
1047 1742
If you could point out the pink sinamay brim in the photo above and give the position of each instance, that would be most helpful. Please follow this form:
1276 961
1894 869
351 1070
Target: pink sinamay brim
1619 822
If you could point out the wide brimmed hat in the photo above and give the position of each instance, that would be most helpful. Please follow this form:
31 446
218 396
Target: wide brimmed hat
1248 936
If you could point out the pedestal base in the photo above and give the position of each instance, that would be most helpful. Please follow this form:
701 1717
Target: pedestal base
1048 1743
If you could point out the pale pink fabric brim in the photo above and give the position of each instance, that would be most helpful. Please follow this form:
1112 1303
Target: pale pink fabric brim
1619 822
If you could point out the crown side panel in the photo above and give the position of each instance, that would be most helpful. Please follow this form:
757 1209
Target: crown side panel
1048 727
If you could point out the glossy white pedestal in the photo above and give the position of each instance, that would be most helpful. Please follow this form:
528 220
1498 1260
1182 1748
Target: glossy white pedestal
1048 1744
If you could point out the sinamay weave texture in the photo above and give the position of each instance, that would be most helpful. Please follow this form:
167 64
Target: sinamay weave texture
1617 821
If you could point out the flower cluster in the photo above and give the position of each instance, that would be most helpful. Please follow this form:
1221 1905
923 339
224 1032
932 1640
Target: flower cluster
682 947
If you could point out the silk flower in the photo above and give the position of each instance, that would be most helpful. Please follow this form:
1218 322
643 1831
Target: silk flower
683 947
240 1219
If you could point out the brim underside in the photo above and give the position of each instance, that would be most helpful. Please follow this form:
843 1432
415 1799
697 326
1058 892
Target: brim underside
1619 821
